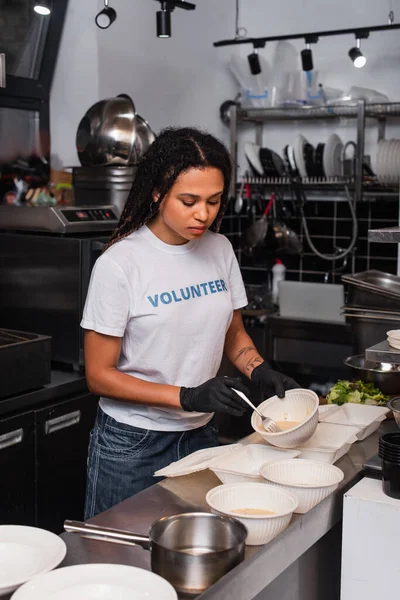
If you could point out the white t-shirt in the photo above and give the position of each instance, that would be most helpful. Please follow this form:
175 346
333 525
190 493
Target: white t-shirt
172 306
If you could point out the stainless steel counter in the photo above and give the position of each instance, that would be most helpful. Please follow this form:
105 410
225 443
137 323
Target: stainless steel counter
262 565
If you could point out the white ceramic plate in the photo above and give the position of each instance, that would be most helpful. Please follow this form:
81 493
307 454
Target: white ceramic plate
332 156
252 152
299 155
26 552
97 582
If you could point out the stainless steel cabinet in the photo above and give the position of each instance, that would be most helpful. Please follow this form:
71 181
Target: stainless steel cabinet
17 470
43 456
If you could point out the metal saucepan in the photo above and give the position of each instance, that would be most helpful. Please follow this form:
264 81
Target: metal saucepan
191 550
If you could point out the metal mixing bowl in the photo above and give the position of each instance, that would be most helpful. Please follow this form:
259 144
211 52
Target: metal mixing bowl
394 405
385 376
144 138
107 133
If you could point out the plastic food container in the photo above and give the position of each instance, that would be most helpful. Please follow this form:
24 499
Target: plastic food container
197 461
225 499
367 418
298 405
244 464
310 481
329 442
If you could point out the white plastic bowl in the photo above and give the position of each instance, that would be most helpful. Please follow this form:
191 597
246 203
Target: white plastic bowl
308 480
244 464
394 333
297 405
225 499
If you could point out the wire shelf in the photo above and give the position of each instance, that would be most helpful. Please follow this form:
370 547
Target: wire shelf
318 112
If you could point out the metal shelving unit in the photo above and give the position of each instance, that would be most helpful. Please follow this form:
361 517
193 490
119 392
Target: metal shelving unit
383 353
359 111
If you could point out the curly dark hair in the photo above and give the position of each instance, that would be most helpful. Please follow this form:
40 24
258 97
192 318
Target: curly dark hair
174 151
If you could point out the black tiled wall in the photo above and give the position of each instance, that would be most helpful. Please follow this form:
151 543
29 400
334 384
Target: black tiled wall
329 224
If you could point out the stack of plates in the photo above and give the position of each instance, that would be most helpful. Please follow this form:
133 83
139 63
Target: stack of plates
388 162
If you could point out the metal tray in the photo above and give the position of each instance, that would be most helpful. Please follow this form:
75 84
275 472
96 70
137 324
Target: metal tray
366 297
383 283
25 361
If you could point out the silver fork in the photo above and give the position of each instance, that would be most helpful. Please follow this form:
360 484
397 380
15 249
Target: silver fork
269 424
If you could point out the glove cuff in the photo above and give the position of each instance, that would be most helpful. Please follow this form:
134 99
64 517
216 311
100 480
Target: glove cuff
257 371
186 397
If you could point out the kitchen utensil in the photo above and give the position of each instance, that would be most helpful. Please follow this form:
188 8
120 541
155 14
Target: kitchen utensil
95 582
268 424
309 481
26 552
385 284
107 132
300 406
394 406
262 528
384 376
239 199
143 139
254 235
190 550
244 464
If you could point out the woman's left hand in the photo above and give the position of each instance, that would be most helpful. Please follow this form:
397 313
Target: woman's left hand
272 382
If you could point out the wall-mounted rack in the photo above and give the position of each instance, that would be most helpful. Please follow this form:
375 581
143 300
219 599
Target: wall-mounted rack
359 111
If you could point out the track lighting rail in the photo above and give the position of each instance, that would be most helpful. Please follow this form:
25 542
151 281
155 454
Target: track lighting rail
358 32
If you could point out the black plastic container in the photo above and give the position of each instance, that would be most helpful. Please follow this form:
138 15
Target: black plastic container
389 453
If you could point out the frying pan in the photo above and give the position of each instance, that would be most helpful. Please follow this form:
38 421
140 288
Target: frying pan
190 550
254 235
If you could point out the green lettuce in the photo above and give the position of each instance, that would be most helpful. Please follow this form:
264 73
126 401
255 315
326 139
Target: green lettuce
358 392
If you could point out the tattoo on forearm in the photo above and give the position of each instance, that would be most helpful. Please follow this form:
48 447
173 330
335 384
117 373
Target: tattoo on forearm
245 351
253 362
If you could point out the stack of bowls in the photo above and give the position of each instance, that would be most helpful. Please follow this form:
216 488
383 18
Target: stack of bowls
393 337
389 453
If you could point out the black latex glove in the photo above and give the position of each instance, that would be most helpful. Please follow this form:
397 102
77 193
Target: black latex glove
272 382
215 395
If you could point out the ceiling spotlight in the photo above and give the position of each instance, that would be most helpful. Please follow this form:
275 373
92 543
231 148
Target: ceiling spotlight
164 21
357 56
307 59
164 15
254 62
106 17
42 7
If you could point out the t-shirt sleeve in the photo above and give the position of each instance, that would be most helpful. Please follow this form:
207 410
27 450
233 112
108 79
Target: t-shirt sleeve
107 302
238 291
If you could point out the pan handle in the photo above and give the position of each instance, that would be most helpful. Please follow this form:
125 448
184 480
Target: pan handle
106 534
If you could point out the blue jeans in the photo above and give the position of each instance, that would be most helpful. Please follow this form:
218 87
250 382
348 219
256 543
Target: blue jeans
123 458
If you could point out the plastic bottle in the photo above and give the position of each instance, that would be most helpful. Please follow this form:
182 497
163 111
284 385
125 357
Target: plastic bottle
278 274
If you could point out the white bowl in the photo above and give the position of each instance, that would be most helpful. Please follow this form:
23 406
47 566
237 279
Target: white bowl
244 464
297 405
394 333
225 499
308 480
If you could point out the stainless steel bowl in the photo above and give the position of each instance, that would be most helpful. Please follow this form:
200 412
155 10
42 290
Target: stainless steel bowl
144 138
385 376
107 133
394 405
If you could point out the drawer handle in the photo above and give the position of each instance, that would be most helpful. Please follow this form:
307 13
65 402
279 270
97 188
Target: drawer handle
53 425
11 439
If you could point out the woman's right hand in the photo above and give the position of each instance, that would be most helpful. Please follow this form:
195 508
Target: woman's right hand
215 395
